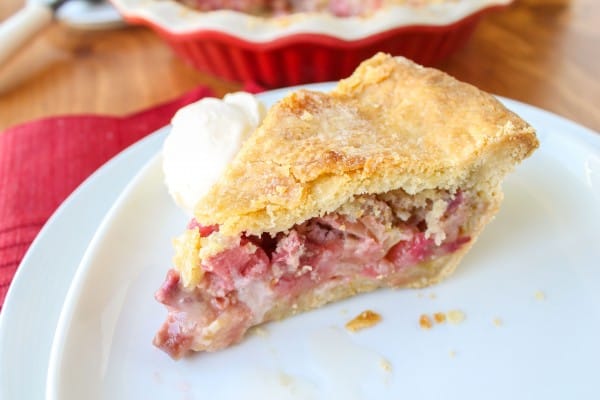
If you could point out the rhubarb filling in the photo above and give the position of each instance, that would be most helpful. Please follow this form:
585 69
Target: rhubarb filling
340 8
214 297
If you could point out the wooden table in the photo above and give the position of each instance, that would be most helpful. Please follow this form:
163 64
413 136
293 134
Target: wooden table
542 52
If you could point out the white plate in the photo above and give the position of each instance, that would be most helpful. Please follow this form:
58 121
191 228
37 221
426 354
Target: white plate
543 241
569 317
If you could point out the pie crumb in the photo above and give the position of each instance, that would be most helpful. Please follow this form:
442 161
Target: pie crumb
452 353
365 319
439 317
539 295
432 296
497 322
455 316
285 379
425 321
385 365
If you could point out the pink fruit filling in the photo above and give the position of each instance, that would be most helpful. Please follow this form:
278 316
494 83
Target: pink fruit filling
374 237
341 8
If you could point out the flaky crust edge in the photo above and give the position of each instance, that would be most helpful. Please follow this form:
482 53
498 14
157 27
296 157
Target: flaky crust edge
491 161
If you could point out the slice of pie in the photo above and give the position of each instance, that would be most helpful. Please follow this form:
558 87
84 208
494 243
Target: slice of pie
384 182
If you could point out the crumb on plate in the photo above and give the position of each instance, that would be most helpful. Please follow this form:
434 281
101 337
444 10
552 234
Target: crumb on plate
385 365
365 319
285 379
539 295
455 316
425 321
439 317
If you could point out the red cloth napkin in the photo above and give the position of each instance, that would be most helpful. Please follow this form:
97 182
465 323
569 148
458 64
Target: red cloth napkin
43 161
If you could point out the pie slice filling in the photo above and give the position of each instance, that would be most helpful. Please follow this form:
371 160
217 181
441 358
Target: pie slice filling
374 240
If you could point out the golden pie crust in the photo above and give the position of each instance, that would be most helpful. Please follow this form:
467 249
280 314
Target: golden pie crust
392 125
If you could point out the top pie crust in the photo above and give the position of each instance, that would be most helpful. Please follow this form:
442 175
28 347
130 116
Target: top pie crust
393 124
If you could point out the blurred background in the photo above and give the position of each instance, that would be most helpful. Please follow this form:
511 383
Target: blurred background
542 52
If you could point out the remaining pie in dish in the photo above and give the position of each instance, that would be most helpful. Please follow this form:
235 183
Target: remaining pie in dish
386 181
340 8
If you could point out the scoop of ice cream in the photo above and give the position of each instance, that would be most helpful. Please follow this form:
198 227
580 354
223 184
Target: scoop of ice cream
204 137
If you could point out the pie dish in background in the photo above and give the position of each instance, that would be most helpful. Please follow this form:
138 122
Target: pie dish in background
306 47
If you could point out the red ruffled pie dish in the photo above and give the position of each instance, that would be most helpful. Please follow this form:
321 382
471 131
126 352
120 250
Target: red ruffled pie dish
306 47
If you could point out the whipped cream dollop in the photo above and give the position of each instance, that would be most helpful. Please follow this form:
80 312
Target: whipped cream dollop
204 138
